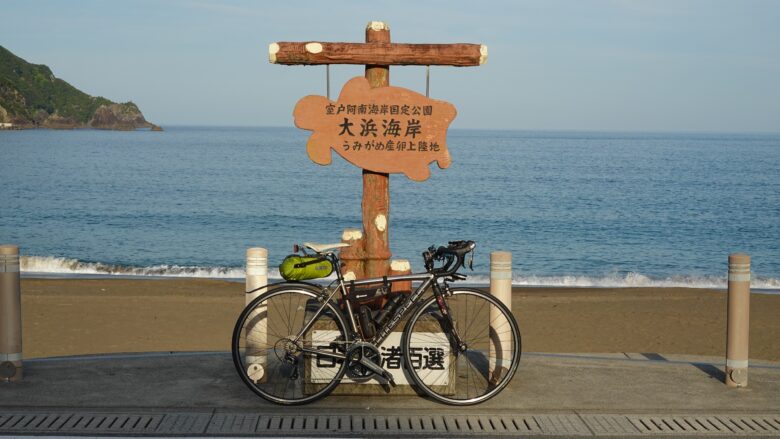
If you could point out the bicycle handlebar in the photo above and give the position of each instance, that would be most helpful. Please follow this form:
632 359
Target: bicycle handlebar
453 255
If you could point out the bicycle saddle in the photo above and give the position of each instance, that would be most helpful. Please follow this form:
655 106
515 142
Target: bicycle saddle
321 248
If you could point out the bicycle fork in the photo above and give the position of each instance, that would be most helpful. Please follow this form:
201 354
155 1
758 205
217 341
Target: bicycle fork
458 345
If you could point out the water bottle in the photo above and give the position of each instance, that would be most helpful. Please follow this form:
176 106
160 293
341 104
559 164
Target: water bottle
389 309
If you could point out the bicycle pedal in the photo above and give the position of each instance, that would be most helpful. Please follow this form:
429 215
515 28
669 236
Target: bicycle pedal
389 377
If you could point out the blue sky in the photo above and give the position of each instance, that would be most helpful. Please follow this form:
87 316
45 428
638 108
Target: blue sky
620 65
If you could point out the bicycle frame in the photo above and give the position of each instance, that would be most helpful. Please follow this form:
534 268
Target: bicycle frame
427 280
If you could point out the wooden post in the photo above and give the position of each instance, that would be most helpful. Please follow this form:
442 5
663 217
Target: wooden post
352 257
377 54
376 186
400 267
314 53
10 315
738 324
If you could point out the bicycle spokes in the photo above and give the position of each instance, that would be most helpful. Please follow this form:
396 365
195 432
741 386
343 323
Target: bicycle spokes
480 361
279 364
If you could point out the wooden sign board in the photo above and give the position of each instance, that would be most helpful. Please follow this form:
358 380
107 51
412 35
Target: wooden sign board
384 129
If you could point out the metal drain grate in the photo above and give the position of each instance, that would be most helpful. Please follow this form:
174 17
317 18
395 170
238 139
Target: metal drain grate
752 424
240 424
48 422
678 424
731 425
81 423
399 425
420 425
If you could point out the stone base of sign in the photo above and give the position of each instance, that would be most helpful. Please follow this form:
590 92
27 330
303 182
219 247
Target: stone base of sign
379 386
274 322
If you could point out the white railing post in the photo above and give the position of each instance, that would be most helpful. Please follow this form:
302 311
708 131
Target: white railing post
10 315
501 289
257 334
256 272
738 325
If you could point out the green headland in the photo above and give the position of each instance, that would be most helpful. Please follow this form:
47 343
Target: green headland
32 97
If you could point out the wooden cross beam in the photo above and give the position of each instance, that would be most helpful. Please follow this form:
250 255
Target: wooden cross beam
384 54
377 54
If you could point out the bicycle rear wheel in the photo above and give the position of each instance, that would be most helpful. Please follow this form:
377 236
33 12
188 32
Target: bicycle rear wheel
462 376
270 357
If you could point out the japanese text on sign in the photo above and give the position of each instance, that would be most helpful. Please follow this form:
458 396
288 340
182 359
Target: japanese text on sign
385 129
432 356
406 110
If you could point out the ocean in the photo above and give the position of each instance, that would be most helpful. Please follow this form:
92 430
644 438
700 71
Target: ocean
574 208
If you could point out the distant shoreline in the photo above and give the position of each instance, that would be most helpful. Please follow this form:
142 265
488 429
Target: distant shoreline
535 132
78 127
66 276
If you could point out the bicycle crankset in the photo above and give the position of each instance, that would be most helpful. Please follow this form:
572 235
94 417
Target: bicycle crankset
364 360
357 355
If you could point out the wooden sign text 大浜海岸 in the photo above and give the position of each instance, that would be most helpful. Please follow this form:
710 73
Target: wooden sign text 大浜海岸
385 129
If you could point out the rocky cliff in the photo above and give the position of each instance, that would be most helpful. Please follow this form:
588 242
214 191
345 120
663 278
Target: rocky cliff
32 97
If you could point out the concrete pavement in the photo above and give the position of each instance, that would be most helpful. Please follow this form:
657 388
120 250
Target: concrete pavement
552 394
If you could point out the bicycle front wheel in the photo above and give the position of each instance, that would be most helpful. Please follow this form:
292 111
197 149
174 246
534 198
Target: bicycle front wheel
276 359
473 371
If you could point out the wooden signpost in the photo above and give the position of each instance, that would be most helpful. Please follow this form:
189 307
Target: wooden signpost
378 128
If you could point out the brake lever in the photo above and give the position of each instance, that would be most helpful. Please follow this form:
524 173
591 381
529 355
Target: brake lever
471 261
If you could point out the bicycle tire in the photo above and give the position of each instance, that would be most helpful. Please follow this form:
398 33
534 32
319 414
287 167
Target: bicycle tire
484 369
266 326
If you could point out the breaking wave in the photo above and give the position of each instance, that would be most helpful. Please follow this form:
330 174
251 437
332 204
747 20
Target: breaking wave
50 265
630 280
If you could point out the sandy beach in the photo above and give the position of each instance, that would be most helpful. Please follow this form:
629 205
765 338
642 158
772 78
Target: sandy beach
88 316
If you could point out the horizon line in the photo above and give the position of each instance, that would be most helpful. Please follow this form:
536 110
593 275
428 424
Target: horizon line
529 130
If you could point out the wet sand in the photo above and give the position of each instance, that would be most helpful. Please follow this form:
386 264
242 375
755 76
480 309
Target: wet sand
87 316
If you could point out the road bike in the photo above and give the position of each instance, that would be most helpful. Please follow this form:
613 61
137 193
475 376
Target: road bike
297 341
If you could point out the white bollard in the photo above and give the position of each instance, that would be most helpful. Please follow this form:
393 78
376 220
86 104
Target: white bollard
738 324
10 315
257 334
256 272
501 288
